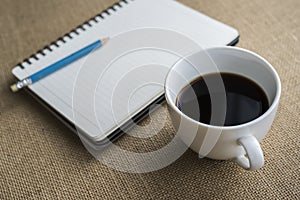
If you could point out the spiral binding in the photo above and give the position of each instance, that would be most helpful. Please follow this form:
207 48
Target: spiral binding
73 33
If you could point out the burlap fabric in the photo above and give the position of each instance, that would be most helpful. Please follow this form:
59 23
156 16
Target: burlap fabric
42 159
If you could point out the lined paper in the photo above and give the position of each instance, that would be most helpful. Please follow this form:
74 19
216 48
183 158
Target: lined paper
98 96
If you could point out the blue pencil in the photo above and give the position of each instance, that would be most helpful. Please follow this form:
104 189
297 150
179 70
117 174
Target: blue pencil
58 65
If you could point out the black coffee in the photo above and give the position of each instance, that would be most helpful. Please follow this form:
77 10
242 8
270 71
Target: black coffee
245 100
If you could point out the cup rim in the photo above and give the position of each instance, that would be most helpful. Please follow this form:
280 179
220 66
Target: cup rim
247 124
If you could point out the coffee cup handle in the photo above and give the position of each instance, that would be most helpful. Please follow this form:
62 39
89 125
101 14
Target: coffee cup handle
254 158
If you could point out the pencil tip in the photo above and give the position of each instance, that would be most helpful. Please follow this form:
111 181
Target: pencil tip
104 40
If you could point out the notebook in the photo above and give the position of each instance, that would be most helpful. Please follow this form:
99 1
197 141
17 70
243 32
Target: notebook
108 91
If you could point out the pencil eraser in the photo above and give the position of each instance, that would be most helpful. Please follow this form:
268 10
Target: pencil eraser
14 88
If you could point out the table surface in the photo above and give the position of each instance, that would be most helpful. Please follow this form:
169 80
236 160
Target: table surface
41 158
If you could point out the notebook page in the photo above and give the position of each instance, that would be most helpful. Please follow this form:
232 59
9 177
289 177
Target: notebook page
58 89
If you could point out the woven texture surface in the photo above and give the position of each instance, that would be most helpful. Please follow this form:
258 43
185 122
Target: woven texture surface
42 159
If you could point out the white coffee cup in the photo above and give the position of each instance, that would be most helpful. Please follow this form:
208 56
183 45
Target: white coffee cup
240 142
